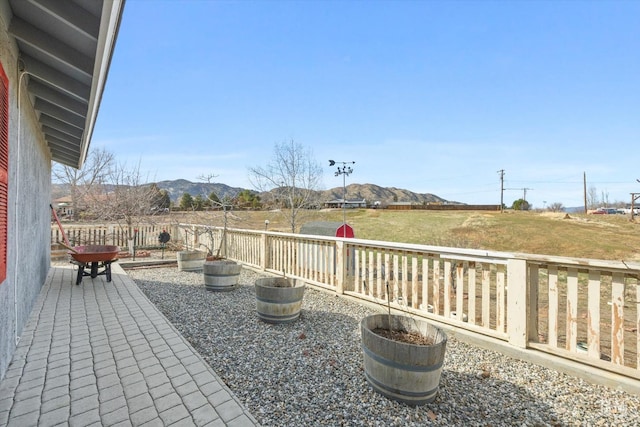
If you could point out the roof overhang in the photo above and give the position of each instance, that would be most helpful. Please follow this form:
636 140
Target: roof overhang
65 49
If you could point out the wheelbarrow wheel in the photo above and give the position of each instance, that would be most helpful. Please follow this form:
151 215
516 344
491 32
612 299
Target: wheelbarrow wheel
80 274
94 270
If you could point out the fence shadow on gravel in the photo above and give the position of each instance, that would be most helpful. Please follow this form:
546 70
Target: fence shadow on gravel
310 372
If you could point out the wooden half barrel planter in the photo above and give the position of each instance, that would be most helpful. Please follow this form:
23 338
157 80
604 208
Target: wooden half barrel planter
278 299
408 373
221 275
191 260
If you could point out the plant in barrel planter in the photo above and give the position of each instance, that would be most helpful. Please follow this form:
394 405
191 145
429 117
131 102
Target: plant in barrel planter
191 260
403 357
221 275
278 299
211 256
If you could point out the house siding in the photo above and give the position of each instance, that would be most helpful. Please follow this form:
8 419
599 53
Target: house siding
28 254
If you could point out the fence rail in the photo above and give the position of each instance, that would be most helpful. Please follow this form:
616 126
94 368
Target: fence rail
143 235
585 311
581 310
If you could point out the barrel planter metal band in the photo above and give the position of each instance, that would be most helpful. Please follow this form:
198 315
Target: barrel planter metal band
191 260
278 300
221 275
408 373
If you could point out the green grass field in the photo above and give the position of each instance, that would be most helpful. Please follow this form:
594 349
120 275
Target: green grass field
611 237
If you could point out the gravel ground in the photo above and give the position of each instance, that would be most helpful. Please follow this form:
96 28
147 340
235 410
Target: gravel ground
309 373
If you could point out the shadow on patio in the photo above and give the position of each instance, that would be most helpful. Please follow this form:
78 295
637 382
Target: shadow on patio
101 354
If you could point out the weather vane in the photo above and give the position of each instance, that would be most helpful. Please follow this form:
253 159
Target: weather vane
345 171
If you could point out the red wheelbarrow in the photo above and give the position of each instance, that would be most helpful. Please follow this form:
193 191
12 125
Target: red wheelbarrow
94 257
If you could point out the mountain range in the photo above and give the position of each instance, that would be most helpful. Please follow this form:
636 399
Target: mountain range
370 192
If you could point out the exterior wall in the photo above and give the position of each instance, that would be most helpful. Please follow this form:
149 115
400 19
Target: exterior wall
349 205
28 254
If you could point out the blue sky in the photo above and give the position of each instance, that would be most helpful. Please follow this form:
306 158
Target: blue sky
430 96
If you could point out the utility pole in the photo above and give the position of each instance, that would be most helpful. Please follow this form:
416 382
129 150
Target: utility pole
524 196
501 172
584 184
634 198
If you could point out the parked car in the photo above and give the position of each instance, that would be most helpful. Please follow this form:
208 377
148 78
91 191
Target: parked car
606 211
627 211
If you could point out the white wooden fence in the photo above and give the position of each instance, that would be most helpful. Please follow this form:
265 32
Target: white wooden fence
581 311
96 234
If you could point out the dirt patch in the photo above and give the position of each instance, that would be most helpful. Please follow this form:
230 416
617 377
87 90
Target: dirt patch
479 220
404 336
280 285
554 215
139 254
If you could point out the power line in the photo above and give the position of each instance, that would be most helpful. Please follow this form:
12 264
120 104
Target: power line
524 197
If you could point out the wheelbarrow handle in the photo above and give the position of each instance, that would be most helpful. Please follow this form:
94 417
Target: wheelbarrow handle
69 247
55 215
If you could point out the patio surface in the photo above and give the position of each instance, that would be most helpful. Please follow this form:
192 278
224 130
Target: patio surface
101 354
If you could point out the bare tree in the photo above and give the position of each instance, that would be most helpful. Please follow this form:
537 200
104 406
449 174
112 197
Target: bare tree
592 198
82 182
295 175
605 198
125 198
556 207
227 204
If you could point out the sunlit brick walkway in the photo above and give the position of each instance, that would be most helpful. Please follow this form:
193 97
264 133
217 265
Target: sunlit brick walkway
100 354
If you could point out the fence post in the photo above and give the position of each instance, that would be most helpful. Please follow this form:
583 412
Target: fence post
264 252
517 302
196 238
175 232
341 266
534 288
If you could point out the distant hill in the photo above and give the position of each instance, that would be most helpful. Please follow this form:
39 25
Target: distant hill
178 187
384 195
370 192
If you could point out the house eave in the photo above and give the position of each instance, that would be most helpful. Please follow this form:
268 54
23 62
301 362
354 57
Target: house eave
65 51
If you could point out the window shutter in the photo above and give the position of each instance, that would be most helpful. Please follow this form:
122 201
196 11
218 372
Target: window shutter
4 170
